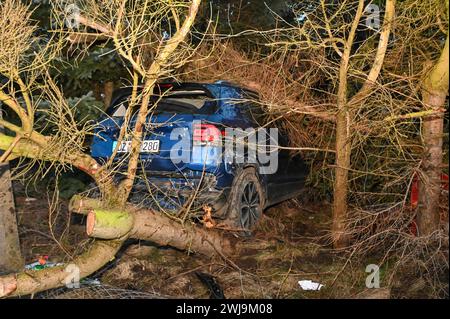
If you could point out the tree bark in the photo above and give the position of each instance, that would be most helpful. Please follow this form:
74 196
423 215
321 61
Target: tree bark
148 225
10 256
33 281
434 94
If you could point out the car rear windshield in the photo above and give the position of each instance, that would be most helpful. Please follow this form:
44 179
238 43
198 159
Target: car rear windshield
181 101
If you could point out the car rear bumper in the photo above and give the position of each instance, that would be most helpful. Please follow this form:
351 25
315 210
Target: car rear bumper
173 191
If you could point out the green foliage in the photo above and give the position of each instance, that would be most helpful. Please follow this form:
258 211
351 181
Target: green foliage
235 16
99 65
84 108
80 74
69 186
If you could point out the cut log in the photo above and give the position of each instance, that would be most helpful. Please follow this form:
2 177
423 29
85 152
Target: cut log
160 229
33 281
106 224
146 224
121 224
83 205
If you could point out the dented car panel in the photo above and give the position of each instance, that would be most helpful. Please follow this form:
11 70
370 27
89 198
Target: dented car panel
177 116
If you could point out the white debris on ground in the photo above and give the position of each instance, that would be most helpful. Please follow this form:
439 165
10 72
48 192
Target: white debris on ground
309 285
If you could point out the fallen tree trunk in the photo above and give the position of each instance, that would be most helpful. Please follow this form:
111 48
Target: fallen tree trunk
33 281
147 225
112 227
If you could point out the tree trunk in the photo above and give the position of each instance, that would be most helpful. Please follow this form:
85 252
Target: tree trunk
10 256
343 153
344 118
11 259
434 95
148 225
108 90
343 142
33 281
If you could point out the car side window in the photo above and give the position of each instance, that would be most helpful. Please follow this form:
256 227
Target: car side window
118 108
120 111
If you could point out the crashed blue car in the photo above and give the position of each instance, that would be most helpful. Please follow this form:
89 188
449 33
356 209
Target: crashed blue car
204 144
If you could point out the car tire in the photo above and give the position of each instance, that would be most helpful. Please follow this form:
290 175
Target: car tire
246 202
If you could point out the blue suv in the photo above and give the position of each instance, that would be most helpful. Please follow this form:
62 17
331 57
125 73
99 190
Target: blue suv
185 163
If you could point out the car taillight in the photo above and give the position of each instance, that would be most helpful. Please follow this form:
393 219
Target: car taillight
207 134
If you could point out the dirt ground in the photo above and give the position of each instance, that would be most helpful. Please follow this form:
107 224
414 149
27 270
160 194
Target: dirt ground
290 244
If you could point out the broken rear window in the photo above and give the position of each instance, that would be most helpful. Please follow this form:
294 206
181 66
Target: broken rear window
180 101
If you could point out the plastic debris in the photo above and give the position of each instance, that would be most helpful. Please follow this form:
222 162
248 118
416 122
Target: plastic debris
37 266
42 263
91 282
43 259
309 285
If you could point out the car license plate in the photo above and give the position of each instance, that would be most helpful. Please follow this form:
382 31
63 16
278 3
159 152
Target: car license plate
147 146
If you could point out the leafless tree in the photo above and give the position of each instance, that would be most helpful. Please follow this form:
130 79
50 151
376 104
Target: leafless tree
134 28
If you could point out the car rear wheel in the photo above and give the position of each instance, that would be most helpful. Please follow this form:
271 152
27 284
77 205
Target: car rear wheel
246 201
